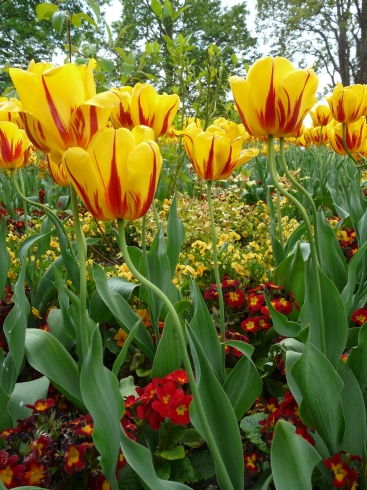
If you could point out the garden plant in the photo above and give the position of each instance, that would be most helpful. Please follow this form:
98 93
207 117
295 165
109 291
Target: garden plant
184 292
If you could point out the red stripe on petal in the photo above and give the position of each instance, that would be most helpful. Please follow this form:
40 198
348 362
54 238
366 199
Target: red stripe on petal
8 151
93 120
294 111
114 185
152 185
63 131
209 165
165 121
267 119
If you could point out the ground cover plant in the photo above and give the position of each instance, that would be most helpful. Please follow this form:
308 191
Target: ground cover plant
184 299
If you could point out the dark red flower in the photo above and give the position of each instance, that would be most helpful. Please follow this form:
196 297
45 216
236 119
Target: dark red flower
255 302
74 458
235 299
250 324
42 405
360 316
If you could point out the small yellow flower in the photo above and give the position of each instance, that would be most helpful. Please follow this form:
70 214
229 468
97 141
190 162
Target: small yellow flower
36 313
120 337
145 316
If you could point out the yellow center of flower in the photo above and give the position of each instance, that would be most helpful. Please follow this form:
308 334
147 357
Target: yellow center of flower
361 318
6 475
35 475
72 456
181 409
253 301
166 399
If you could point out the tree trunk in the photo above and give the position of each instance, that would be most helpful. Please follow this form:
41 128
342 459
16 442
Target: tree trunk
343 47
362 46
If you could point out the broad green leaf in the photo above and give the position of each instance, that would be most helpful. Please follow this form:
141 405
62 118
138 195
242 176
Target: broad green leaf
45 11
46 287
120 359
357 359
354 411
28 392
281 323
106 409
251 427
321 387
203 464
58 20
45 354
332 258
95 7
292 458
55 322
243 385
168 357
156 7
205 331
353 269
68 320
77 19
278 251
291 273
4 256
14 329
98 310
294 238
244 347
123 312
178 452
5 417
335 321
127 386
175 236
219 415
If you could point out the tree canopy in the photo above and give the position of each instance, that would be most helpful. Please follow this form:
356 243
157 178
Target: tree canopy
331 34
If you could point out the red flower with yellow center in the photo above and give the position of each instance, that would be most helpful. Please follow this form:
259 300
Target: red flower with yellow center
42 405
235 299
35 474
255 302
179 376
360 316
10 470
74 459
340 470
264 324
180 414
250 325
250 460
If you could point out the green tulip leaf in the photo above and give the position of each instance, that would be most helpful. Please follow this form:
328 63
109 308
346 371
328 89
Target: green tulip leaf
293 459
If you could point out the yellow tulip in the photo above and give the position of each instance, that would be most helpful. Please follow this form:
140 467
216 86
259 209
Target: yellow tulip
318 136
355 136
57 172
232 129
58 112
151 109
348 104
117 176
121 115
14 146
212 153
9 111
275 97
321 115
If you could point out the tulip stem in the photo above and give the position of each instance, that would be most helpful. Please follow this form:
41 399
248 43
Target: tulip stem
303 190
83 344
315 263
25 210
156 217
216 272
280 222
47 210
152 312
186 360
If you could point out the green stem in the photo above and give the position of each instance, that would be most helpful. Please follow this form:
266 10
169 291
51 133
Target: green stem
216 272
155 320
304 191
47 210
25 210
81 247
315 266
281 240
186 360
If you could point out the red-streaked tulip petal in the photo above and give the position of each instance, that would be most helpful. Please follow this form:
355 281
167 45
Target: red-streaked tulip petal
144 102
143 133
83 175
14 146
86 74
57 172
165 113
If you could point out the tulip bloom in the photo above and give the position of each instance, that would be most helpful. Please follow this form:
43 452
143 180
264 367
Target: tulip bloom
318 136
57 172
355 136
9 111
153 110
117 176
60 108
321 115
14 146
121 114
348 104
275 97
212 153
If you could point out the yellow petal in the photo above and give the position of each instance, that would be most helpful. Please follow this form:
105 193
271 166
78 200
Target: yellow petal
120 114
14 146
143 133
39 68
144 102
165 113
87 77
83 175
57 171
